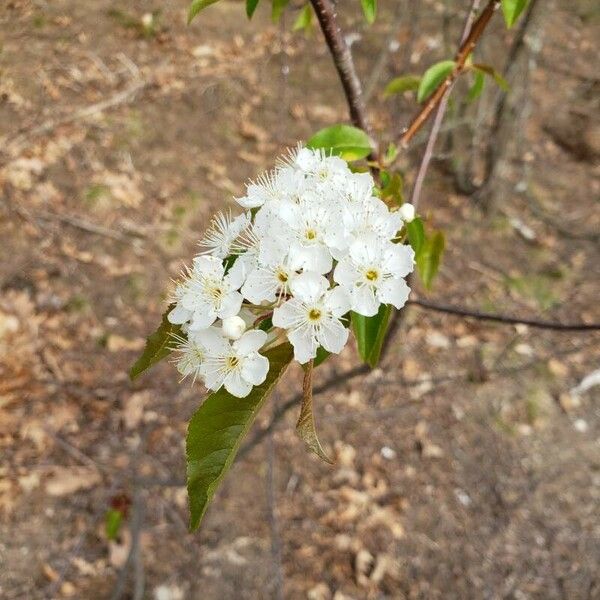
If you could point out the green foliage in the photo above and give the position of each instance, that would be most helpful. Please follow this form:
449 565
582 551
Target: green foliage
477 87
433 77
370 333
112 523
158 346
370 10
392 188
251 7
345 141
277 8
196 6
429 257
216 430
512 10
491 72
407 83
304 20
416 234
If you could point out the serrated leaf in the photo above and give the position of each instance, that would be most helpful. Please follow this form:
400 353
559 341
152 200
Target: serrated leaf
489 70
196 6
433 77
416 234
370 333
370 10
402 84
158 346
251 7
305 427
216 430
345 141
512 9
477 87
428 260
304 19
277 9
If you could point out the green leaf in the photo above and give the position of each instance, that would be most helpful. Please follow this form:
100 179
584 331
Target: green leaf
305 427
158 346
393 189
433 77
277 9
304 19
477 87
429 258
251 7
196 6
416 234
112 523
399 85
370 10
216 430
370 333
512 10
350 143
489 70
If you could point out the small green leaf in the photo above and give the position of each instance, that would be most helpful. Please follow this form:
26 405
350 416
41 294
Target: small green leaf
408 83
251 7
393 189
277 9
112 523
429 258
304 19
489 70
416 234
370 333
477 87
196 6
350 143
216 430
158 346
370 10
512 10
433 77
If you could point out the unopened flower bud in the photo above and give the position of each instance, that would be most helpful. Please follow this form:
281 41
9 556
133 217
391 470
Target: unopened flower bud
407 210
233 327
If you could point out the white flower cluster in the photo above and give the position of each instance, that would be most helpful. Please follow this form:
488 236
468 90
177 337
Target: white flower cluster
313 244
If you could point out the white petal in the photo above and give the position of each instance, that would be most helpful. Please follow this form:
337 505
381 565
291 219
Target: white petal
202 318
251 341
394 291
364 301
179 315
332 335
230 305
309 287
337 301
305 345
236 385
255 369
260 285
398 259
237 274
209 266
211 374
213 340
365 250
289 314
345 273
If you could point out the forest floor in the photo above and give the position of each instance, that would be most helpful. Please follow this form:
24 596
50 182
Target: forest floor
468 465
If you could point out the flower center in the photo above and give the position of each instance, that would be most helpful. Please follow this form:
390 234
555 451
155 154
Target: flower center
232 362
311 234
314 314
372 275
282 276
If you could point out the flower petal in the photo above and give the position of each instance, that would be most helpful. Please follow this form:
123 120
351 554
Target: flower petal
394 291
332 335
230 306
309 287
337 301
179 315
251 341
260 285
255 369
364 301
215 343
236 385
289 314
305 345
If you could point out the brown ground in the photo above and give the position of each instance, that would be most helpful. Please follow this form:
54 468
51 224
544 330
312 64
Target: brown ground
465 468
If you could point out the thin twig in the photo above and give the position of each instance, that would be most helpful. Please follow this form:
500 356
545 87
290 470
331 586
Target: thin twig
342 58
439 117
506 319
475 33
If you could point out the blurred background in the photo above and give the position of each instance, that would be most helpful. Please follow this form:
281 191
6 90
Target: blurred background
468 464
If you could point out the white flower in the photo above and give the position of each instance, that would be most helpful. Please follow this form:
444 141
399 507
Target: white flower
190 354
284 183
373 272
208 294
222 233
236 365
407 210
233 327
312 316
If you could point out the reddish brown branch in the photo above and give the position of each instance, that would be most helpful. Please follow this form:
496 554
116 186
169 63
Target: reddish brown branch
460 59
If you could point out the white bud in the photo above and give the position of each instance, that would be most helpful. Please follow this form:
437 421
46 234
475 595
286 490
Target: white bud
233 327
407 210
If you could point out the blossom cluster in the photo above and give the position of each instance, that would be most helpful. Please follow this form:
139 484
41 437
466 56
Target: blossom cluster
313 243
